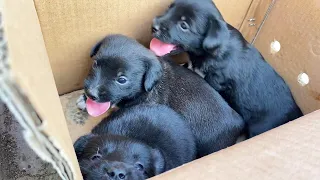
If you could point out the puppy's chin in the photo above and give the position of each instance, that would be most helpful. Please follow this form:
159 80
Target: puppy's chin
113 103
161 47
180 49
177 51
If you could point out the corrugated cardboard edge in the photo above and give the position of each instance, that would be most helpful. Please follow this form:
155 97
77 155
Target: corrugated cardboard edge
288 152
34 133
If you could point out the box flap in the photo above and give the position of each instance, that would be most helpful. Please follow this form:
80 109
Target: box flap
288 152
28 88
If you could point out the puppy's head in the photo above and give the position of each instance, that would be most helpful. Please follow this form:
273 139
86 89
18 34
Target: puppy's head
190 25
114 157
122 69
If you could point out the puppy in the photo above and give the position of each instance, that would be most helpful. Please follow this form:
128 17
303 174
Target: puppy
126 73
228 62
135 143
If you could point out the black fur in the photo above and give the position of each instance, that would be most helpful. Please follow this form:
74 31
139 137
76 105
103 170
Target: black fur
160 81
230 64
135 143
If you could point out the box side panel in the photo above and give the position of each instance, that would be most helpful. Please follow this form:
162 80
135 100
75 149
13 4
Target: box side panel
71 28
32 72
288 152
296 25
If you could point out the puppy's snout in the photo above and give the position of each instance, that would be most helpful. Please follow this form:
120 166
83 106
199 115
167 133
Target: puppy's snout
92 95
155 25
155 29
117 172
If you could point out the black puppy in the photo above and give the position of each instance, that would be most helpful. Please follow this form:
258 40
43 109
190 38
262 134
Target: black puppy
126 73
135 143
228 62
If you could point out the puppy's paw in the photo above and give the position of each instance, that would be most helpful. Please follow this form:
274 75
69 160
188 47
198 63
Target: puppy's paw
81 102
200 73
80 117
187 65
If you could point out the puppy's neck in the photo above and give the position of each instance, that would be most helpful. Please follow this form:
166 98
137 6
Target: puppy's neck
221 55
160 90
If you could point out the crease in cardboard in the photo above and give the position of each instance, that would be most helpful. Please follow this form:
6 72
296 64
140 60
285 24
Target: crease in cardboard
263 21
246 15
25 114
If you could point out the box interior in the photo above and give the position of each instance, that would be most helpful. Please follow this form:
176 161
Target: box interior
57 37
71 28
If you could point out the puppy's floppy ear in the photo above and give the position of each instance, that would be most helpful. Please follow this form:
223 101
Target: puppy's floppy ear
153 72
81 143
217 34
95 48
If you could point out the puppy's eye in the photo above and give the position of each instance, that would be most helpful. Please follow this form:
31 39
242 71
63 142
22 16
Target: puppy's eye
122 80
184 25
96 157
139 166
171 6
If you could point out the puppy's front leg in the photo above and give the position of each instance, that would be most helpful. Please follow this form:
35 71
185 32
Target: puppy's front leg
81 102
215 82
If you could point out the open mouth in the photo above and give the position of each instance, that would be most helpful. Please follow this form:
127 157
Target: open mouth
96 109
161 48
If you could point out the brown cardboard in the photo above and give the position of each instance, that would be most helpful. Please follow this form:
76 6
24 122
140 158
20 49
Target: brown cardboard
288 152
71 28
32 73
296 25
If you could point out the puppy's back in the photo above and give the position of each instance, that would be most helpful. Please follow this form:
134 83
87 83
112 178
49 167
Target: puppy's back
156 125
215 124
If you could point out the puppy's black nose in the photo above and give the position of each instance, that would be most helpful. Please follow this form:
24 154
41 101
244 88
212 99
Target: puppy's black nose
117 173
155 26
91 95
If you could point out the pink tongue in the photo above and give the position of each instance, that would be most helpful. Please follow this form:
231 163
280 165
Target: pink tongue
160 48
96 109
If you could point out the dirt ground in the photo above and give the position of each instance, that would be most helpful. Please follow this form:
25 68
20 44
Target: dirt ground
17 160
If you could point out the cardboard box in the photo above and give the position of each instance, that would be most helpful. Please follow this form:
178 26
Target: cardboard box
45 50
